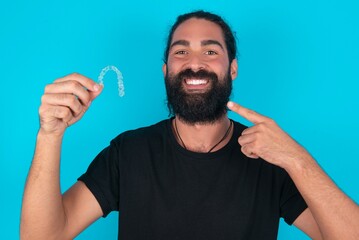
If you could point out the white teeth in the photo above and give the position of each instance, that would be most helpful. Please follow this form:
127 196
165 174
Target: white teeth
196 81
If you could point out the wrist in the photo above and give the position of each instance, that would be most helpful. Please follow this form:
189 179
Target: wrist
300 164
49 137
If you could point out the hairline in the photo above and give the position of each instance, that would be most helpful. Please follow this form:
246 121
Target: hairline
227 37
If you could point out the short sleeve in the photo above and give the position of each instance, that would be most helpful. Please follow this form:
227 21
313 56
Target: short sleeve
102 179
292 203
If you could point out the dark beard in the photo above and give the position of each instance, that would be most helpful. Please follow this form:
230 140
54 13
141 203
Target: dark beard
206 107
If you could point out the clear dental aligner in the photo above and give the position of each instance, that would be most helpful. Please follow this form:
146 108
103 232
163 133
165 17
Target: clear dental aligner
121 87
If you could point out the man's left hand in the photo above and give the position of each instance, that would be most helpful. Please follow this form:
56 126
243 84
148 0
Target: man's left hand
267 140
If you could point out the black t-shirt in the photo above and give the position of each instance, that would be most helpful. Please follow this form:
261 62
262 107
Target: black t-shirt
164 191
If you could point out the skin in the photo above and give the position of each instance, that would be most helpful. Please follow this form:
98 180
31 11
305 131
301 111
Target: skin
47 214
199 44
331 214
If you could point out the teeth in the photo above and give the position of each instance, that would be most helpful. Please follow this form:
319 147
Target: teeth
196 81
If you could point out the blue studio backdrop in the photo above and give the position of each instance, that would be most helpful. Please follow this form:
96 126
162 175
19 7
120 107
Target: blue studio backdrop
298 64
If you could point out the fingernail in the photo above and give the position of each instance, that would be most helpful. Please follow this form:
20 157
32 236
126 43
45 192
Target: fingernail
230 104
96 87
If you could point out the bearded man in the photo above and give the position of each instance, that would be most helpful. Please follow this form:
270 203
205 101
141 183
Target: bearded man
196 175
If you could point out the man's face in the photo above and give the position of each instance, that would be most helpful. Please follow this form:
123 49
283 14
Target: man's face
198 75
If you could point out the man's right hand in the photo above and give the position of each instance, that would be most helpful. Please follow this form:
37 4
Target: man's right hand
65 101
46 213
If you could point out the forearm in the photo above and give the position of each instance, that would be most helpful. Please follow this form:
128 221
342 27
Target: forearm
43 215
336 214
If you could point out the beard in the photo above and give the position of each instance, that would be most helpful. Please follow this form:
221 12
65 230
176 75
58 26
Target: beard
198 107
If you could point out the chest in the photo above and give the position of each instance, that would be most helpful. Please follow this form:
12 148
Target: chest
173 197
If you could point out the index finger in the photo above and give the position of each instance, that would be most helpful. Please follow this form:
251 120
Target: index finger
248 114
88 83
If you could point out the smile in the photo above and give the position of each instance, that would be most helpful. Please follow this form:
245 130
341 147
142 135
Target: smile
196 82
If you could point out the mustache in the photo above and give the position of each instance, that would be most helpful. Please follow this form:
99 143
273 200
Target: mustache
201 74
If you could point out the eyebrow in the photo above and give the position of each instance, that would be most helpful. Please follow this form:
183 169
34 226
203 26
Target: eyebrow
203 43
211 42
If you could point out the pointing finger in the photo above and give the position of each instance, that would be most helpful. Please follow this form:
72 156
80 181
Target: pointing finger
248 114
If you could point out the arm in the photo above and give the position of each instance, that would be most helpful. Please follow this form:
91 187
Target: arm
46 214
336 215
306 222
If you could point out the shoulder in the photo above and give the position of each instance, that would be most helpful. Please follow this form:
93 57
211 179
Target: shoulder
238 127
149 133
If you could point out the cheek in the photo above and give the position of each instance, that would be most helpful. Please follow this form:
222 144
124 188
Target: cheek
173 67
221 69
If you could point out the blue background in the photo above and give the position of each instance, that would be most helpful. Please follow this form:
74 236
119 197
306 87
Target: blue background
298 64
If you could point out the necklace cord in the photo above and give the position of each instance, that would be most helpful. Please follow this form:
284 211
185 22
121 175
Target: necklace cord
179 135
224 137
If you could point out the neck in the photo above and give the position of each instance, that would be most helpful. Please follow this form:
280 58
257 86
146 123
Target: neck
203 137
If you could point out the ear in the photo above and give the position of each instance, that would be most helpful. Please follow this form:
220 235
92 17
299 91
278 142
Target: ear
234 69
164 69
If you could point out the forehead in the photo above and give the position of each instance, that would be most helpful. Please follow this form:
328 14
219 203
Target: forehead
195 29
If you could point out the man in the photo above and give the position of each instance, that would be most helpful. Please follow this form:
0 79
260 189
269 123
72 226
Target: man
192 176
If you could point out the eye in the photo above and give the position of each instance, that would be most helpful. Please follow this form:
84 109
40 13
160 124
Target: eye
211 52
181 52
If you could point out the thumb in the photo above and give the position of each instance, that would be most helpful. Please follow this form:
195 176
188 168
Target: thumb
97 90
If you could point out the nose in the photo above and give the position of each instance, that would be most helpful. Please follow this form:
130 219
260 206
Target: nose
196 63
